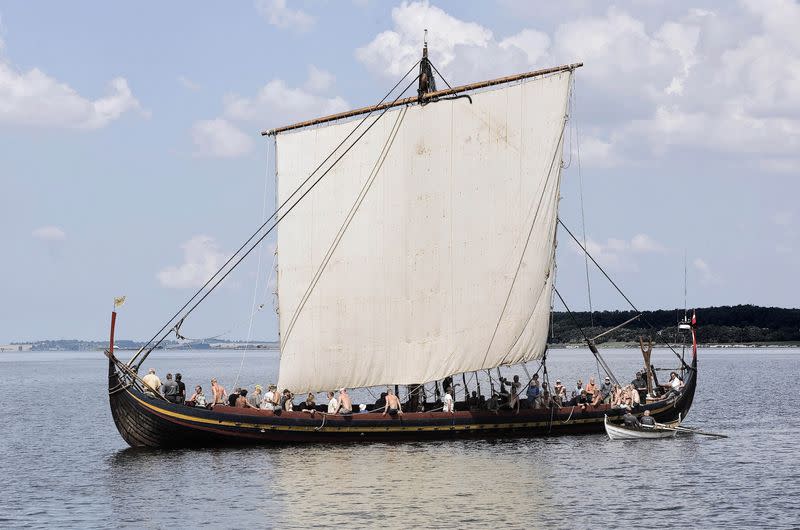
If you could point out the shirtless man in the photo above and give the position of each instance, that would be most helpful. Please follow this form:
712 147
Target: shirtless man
392 406
241 401
218 393
345 405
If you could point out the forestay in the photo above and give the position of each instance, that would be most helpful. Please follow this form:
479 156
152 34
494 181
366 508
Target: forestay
428 250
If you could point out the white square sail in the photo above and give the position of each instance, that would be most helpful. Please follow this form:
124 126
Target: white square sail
428 249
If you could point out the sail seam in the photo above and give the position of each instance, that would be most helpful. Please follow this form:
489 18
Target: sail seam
525 247
346 224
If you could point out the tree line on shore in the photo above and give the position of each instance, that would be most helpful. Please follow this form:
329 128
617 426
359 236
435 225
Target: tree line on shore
715 325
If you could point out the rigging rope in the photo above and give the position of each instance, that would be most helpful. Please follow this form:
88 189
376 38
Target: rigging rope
525 246
273 216
583 215
589 342
348 219
647 322
258 276
271 228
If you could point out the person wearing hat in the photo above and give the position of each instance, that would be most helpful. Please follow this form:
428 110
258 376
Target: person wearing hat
559 393
255 398
605 390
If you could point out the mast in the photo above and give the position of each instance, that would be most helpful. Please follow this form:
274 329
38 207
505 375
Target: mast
427 83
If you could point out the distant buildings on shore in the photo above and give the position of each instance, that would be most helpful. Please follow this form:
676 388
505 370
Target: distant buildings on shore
84 345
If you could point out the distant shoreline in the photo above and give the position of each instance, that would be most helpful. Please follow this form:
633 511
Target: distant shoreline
274 346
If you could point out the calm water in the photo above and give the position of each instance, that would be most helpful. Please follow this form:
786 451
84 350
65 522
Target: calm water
63 463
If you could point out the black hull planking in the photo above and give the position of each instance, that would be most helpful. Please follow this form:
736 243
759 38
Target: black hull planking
148 422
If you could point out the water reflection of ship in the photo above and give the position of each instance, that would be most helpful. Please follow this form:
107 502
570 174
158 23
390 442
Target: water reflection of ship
420 247
340 484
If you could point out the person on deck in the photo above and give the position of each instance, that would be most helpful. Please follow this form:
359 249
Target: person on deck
198 398
392 406
647 420
591 389
170 389
559 393
473 401
241 400
286 400
380 402
333 404
582 400
494 403
631 421
255 398
675 382
270 399
218 393
605 390
345 404
152 381
547 400
234 396
577 392
616 396
513 397
310 404
448 404
181 388
597 399
534 393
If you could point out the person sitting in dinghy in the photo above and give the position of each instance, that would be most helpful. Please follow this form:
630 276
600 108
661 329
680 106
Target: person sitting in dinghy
631 421
647 420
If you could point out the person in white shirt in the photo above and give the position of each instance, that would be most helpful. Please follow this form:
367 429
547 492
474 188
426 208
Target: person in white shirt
449 404
333 405
268 401
675 382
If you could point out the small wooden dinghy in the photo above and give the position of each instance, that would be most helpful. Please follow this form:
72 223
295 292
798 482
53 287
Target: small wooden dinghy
619 432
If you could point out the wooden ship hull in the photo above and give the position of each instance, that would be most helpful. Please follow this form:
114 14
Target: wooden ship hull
150 422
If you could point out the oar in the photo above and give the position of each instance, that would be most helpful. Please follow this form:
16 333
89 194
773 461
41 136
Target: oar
696 431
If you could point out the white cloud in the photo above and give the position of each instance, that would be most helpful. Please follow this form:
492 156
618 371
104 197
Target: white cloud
273 105
392 52
597 153
725 81
33 98
534 43
706 274
201 259
49 233
645 244
621 254
188 83
219 138
318 80
276 104
278 14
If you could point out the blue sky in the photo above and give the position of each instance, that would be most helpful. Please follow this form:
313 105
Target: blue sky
130 159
